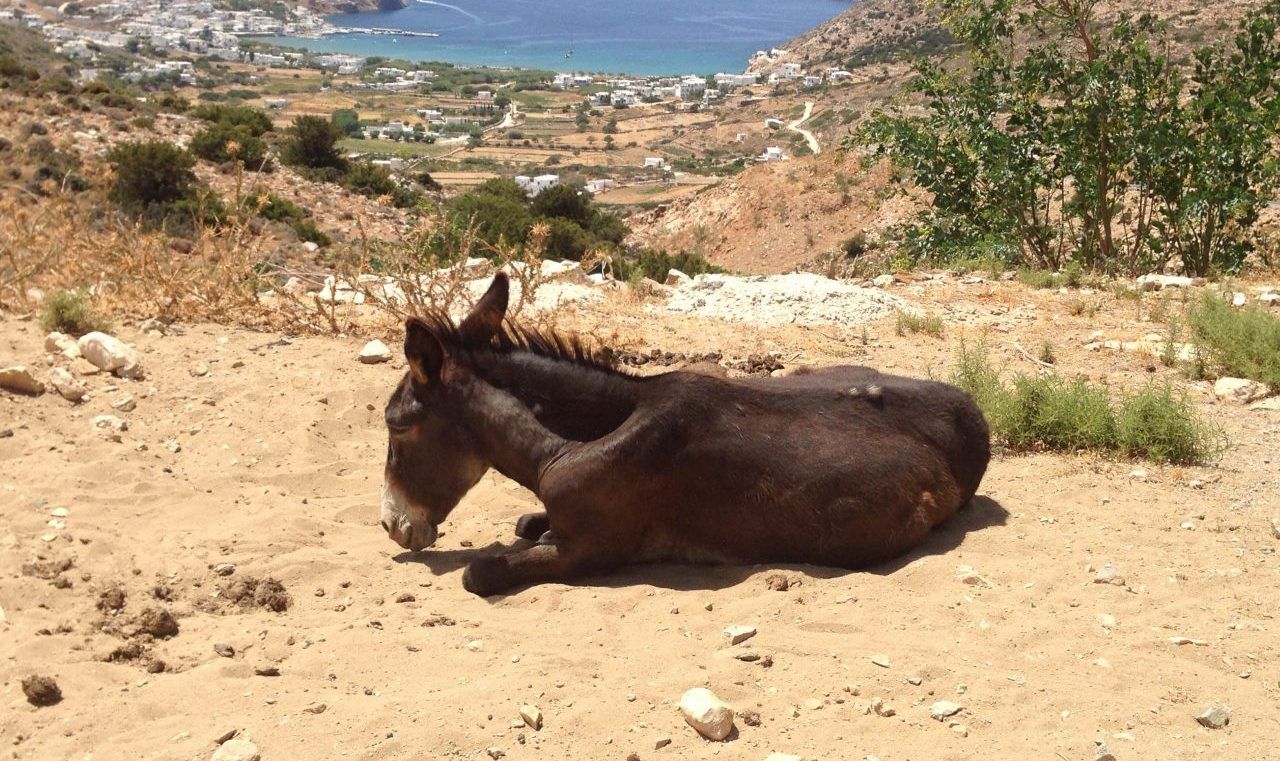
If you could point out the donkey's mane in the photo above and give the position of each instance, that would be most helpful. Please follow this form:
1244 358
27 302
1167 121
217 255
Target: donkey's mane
514 338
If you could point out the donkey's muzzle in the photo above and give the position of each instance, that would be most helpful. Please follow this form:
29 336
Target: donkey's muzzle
412 538
396 520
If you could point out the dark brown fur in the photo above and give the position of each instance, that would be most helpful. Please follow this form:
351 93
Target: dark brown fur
841 466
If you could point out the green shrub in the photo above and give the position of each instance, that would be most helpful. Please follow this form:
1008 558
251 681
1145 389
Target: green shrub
70 312
642 263
279 209
313 142
221 142
1038 412
1243 343
369 180
308 232
253 121
918 322
149 173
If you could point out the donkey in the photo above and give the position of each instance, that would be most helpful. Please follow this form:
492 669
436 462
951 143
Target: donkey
841 466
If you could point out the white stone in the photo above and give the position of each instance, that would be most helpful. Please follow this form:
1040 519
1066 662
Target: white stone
1240 390
882 281
111 354
1239 299
311 246
706 713
125 404
782 757
109 426
739 633
66 385
1108 574
61 343
676 277
20 379
1215 717
1154 282
555 269
971 577
237 749
532 716
944 709
375 352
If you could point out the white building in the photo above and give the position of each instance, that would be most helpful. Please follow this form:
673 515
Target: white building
655 162
535 185
599 186
772 153
773 124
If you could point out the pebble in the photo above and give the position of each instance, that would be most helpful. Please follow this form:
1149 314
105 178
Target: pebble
374 353
960 729
224 569
782 757
1108 574
1240 390
971 577
532 716
316 708
237 749
61 343
882 708
109 426
1215 717
1187 641
707 714
267 670
66 385
944 709
223 649
21 379
739 633
1275 527
125 404
881 660
495 752
661 743
41 690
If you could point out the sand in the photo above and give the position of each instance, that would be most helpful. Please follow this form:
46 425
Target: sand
277 471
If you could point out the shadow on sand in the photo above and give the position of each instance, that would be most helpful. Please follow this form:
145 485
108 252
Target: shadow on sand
980 513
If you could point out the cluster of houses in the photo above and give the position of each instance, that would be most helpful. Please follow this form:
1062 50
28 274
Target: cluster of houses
393 78
194 26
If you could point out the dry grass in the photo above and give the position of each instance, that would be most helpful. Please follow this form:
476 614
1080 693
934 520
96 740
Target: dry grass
220 275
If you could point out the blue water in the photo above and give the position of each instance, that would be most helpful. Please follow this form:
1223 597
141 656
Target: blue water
620 36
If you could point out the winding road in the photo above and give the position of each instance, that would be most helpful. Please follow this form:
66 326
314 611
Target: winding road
808 136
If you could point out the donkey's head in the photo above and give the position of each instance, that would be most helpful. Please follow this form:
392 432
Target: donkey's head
432 459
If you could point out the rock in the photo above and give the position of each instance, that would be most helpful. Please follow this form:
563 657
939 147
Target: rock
199 370
109 426
676 278
750 718
1107 620
66 385
1108 574
158 622
782 757
971 577
882 708
532 716
20 379
1215 717
882 281
223 649
237 749
61 343
944 709
1239 390
152 325
1239 299
706 713
110 354
1101 753
267 670
224 569
1275 527
495 752
375 352
661 743
316 708
739 633
959 729
406 597
881 660
1154 282
125 404
1269 298
41 690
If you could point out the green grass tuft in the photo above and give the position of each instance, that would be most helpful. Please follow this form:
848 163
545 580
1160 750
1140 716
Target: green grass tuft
918 322
70 312
1241 343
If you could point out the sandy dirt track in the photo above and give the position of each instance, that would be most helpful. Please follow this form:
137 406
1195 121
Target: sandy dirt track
281 449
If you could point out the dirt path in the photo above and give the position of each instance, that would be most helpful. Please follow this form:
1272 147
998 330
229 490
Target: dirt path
382 655
808 136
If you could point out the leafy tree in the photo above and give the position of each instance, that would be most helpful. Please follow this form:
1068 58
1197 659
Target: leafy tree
347 120
223 142
566 239
251 120
1089 145
313 142
568 201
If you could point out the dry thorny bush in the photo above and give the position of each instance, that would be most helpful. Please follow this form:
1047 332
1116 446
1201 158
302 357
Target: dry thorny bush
220 274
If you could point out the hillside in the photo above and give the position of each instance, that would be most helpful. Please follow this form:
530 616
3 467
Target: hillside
881 31
354 6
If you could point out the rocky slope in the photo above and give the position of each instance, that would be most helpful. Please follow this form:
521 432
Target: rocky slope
354 6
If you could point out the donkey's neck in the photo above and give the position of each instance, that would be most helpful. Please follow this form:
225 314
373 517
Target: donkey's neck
524 409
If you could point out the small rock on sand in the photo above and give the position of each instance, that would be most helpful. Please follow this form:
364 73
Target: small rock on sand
41 690
237 749
110 354
968 575
1239 390
223 649
1101 752
739 633
944 709
1215 717
66 385
532 716
706 713
61 343
1108 574
782 757
375 352
158 622
777 582
21 379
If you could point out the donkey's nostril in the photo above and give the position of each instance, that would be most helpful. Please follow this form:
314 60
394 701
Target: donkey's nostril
386 526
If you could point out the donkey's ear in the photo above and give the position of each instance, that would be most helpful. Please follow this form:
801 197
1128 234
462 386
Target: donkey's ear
423 350
485 320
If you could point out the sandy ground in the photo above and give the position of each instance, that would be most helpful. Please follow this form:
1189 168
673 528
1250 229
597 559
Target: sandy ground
281 448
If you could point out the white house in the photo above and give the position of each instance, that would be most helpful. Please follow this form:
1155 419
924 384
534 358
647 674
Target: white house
275 104
773 123
598 186
535 185
655 162
772 153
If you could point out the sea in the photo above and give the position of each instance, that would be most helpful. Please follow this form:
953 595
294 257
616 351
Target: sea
656 37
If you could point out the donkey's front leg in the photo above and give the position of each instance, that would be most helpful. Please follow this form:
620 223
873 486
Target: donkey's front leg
533 565
532 526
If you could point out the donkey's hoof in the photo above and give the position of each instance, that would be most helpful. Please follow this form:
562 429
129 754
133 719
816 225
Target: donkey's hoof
485 576
532 526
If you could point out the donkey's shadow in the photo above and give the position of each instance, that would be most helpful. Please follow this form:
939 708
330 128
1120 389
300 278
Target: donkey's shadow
981 513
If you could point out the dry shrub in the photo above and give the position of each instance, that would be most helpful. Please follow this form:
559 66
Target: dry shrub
221 275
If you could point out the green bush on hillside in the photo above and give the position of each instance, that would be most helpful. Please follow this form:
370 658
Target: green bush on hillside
1242 343
70 312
